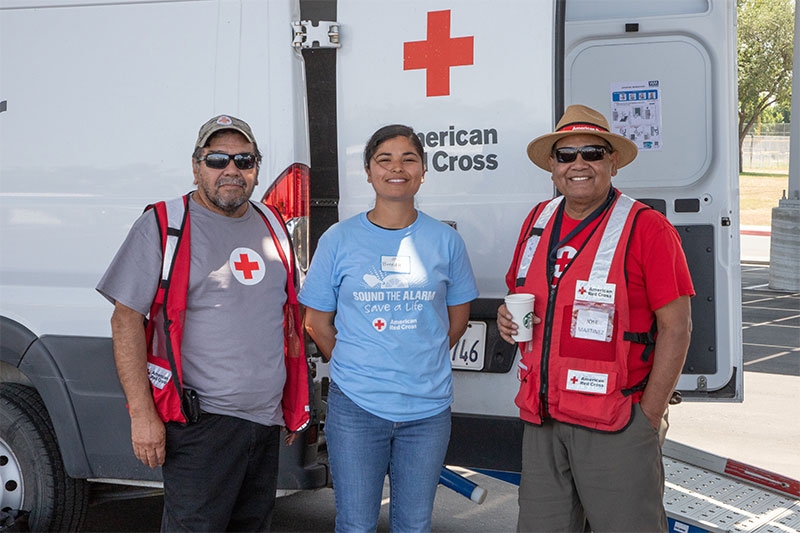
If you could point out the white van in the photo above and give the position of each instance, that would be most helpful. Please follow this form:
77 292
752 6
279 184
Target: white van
100 102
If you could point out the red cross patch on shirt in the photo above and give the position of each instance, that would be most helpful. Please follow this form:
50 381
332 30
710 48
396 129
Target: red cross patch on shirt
247 266
563 257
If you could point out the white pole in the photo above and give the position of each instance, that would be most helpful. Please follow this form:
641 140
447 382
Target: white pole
794 141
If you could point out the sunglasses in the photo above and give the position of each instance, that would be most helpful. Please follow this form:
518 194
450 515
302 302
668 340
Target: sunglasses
219 161
592 152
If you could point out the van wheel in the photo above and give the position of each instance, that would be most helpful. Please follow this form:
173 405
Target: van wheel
32 476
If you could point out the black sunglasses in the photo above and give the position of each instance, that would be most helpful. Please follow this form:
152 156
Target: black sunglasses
592 152
219 161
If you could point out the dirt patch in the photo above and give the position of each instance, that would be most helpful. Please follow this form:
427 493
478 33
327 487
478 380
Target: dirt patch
758 194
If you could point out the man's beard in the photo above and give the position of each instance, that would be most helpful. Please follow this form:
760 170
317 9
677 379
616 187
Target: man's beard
228 205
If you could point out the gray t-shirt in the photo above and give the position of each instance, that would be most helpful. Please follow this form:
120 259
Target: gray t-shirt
232 350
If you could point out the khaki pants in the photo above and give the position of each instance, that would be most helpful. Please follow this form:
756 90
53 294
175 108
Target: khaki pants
571 475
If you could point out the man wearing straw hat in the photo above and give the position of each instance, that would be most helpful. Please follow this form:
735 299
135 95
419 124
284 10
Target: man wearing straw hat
612 291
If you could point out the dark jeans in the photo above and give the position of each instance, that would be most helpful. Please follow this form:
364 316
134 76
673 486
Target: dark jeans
220 474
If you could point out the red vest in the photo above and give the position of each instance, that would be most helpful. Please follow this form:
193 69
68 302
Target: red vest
577 368
164 330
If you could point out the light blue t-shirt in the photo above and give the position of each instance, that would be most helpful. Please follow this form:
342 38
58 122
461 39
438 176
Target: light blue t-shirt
390 290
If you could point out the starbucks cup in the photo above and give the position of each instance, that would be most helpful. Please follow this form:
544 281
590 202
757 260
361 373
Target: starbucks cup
521 308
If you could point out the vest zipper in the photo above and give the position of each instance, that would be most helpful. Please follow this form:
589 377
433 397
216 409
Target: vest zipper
544 412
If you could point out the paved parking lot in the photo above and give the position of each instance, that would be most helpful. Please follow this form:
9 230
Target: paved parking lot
764 429
770 325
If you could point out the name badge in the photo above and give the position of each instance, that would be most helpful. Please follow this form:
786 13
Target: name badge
395 263
592 325
593 311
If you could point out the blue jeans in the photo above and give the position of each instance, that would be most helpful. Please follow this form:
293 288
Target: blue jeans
362 448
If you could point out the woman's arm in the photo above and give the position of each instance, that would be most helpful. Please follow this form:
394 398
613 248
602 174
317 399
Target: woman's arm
459 318
319 325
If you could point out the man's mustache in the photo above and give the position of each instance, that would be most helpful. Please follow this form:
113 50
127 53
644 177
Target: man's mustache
232 180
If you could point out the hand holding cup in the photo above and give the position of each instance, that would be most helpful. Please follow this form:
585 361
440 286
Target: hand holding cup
520 306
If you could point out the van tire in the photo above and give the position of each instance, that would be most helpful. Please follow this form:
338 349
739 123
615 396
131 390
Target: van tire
31 465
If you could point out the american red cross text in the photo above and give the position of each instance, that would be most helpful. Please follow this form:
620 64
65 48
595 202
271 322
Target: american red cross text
438 53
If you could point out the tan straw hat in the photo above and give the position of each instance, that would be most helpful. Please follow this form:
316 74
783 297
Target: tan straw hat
580 120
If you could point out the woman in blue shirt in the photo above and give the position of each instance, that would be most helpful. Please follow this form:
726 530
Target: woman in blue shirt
386 297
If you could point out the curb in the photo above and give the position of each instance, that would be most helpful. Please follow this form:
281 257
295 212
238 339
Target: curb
758 231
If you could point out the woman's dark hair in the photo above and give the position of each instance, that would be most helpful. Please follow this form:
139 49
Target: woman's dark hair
390 132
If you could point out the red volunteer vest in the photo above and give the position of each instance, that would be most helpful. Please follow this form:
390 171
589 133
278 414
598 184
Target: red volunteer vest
164 330
576 369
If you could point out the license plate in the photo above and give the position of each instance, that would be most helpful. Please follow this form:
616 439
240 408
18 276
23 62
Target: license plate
468 353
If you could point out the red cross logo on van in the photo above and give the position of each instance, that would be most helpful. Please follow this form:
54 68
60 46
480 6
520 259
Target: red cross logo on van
438 53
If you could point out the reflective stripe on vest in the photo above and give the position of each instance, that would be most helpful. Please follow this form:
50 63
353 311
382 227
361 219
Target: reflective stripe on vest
605 253
533 240
175 212
608 245
279 231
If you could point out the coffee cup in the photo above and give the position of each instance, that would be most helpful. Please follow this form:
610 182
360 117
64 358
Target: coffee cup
520 306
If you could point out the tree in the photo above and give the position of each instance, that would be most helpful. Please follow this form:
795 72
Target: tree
776 114
766 35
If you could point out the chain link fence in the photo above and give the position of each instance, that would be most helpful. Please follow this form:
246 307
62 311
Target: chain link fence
767 151
779 129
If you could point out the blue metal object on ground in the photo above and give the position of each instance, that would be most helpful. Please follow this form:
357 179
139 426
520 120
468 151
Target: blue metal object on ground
462 485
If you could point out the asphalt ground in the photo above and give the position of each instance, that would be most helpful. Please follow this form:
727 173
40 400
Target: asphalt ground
763 430
770 325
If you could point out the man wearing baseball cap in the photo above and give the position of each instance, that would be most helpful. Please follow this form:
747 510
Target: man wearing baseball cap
206 375
612 300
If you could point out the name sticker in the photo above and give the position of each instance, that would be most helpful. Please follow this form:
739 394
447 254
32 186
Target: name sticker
591 325
158 376
592 382
595 292
393 263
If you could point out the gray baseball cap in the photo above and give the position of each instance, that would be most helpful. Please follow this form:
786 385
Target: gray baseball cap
223 122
